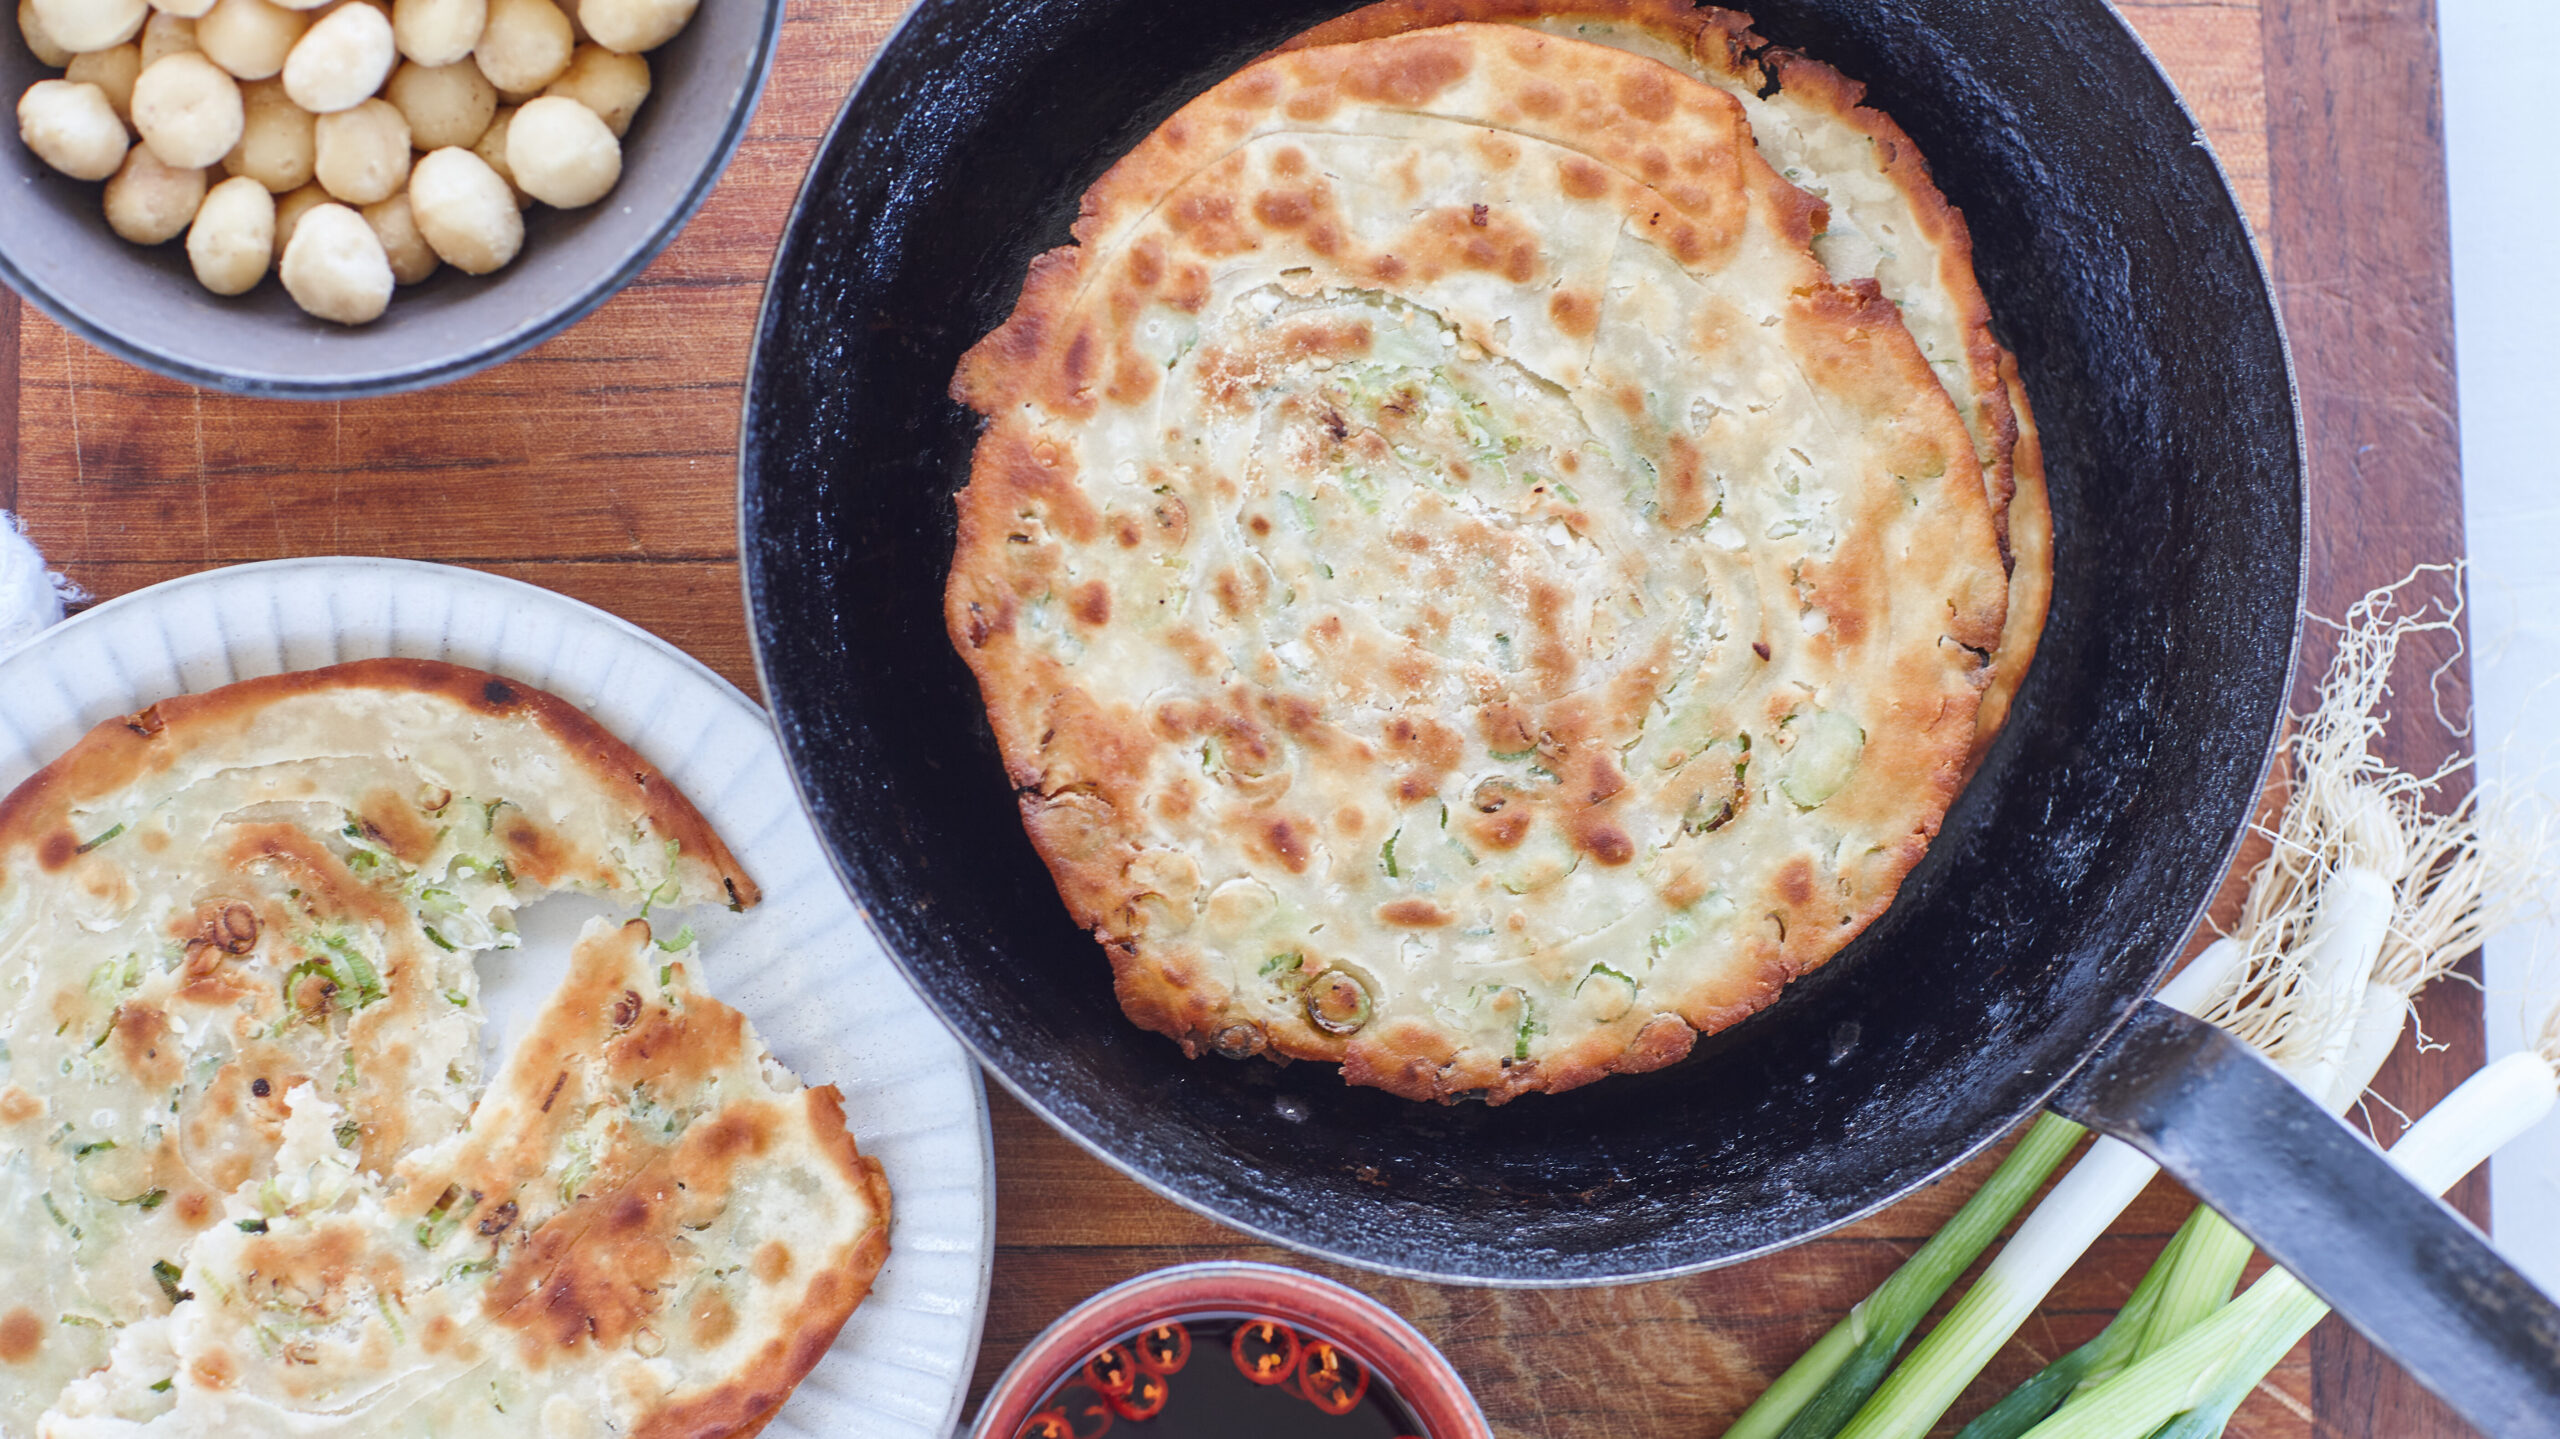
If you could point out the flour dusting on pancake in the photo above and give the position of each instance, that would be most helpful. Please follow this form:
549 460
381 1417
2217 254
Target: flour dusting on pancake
1460 587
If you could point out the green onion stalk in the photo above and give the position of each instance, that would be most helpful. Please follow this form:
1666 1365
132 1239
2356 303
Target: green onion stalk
2365 897
2335 957
2029 1403
1820 1391
2195 1382
2456 887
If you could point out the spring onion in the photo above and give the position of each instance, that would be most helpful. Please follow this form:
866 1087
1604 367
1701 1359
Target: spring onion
1821 1390
2366 896
2207 1371
2336 957
2457 886
2029 1403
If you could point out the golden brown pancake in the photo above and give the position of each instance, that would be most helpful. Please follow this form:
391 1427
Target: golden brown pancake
1461 589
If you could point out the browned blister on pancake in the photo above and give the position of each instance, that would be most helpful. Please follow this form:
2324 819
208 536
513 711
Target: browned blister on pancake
1886 221
1459 587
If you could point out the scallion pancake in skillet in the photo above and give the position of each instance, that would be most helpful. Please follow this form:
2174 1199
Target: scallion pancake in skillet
1460 589
1886 220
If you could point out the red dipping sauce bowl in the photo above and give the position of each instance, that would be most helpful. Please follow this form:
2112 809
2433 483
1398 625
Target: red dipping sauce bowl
1252 1351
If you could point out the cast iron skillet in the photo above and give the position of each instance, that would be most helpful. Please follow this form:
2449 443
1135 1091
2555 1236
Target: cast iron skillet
2121 273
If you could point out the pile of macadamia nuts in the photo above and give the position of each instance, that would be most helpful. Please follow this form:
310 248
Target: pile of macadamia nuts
348 145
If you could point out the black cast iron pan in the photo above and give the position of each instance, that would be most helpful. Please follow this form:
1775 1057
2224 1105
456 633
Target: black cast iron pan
2122 275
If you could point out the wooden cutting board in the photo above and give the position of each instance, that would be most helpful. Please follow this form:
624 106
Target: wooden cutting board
602 465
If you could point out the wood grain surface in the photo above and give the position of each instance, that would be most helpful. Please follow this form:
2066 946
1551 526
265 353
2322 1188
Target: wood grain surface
602 465
2363 270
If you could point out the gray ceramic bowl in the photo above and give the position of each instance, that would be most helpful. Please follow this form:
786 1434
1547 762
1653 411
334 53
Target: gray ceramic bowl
145 306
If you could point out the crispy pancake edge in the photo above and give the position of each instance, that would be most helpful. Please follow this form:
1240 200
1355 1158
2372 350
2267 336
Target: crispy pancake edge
118 751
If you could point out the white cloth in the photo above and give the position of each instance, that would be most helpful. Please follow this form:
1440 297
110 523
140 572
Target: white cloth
2501 58
31 596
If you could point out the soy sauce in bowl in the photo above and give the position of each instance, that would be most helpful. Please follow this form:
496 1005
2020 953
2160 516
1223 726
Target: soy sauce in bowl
1230 1350
1223 1376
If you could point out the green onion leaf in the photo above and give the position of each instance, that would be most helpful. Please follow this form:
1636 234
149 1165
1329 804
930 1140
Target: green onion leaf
1820 1392
293 980
445 1216
89 845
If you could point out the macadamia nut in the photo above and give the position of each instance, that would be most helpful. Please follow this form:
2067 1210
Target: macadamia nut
335 268
340 62
234 237
81 26
465 211
492 150
632 26
113 71
289 212
412 258
165 35
612 85
72 127
277 141
249 38
150 203
40 42
444 104
561 153
438 32
524 47
362 154
367 143
188 111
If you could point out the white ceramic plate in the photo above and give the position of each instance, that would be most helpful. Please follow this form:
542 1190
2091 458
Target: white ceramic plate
802 965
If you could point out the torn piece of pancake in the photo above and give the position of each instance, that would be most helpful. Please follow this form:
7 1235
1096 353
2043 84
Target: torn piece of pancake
1886 221
648 1228
229 896
1459 588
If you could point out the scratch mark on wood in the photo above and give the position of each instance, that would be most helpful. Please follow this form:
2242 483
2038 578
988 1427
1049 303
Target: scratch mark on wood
204 482
12 399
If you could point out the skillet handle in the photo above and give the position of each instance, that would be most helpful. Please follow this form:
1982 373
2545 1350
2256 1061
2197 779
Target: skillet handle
2320 1199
